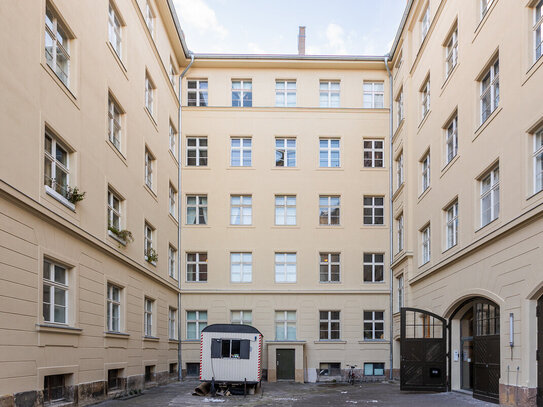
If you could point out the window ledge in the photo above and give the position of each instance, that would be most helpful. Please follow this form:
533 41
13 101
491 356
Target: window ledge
172 217
374 169
286 342
398 191
190 341
115 237
150 190
117 59
61 329
399 128
197 226
151 339
151 117
241 227
535 66
285 227
488 120
329 169
334 341
195 167
118 335
279 168
117 151
483 20
51 192
172 154
449 165
241 167
493 221
448 78
424 193
383 341
150 262
330 227
424 120
171 340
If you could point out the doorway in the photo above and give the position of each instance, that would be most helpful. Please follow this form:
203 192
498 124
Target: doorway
466 350
285 361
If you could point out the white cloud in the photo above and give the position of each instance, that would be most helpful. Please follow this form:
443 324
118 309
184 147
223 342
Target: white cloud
198 14
255 48
335 34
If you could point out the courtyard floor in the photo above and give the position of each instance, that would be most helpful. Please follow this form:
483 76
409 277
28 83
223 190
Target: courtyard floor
298 394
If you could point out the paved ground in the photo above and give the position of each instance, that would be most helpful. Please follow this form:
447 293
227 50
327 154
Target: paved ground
295 394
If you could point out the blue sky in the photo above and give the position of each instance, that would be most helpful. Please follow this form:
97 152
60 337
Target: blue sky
335 27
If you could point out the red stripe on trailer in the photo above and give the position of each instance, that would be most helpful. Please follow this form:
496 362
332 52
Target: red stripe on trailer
260 358
201 352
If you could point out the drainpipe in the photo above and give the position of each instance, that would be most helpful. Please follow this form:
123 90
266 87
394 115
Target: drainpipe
179 218
391 232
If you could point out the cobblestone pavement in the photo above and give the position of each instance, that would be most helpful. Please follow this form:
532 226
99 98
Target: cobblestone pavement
298 394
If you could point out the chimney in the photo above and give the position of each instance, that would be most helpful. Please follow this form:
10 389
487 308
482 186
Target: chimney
301 40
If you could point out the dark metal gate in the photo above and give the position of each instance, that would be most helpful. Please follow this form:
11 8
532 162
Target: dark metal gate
423 351
486 350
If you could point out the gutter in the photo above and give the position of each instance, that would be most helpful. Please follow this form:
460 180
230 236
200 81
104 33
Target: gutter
292 57
179 218
180 34
390 216
392 52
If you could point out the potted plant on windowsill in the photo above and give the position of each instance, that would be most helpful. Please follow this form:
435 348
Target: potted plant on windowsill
74 195
121 234
151 256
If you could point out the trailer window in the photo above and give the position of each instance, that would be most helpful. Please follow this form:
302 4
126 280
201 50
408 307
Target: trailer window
230 348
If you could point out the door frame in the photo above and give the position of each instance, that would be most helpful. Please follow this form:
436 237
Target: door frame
293 364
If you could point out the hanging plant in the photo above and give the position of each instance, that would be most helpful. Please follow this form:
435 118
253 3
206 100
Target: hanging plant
151 255
74 195
123 234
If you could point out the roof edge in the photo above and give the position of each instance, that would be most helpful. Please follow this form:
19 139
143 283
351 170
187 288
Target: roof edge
180 32
392 51
294 57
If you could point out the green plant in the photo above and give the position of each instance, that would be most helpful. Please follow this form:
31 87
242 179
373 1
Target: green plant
151 255
74 195
123 234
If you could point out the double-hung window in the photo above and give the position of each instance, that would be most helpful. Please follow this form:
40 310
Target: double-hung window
114 30
285 152
285 210
374 210
150 18
329 267
329 93
57 45
285 267
148 233
451 140
172 323
197 267
451 52
399 170
285 93
56 165
196 151
172 256
425 244
285 325
241 317
114 122
425 172
149 168
148 316
538 29
172 73
400 232
538 160
149 94
241 151
196 321
490 90
241 209
485 5
400 292
374 95
197 92
329 207
172 198
113 308
374 267
114 210
374 325
490 196
425 98
425 23
196 209
374 369
242 93
173 138
55 293
241 267
373 153
329 325
399 107
452 224
329 152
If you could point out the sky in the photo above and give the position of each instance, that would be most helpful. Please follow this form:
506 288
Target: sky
333 27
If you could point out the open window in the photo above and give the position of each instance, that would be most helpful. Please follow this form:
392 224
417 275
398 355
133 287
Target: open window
230 348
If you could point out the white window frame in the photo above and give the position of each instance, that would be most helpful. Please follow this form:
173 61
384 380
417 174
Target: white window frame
200 91
241 317
372 208
242 92
492 91
199 149
198 264
200 209
451 140
60 39
54 287
493 193
112 304
149 94
200 323
425 97
401 292
329 321
55 165
172 73
148 310
149 168
328 263
400 232
451 225
373 321
245 266
538 160
372 91
245 207
172 139
284 261
283 148
373 264
451 52
485 6
115 30
282 205
150 19
282 94
425 172
399 170
172 199
372 152
538 30
172 256
242 148
399 109
113 211
327 152
283 321
115 129
425 23
329 92
327 206
148 233
425 240
172 323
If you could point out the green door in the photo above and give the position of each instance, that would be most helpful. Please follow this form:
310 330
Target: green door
285 364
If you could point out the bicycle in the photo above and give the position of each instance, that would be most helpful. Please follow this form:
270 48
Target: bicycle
351 374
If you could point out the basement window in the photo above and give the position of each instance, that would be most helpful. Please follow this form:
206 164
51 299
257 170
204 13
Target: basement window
114 379
329 369
54 389
149 374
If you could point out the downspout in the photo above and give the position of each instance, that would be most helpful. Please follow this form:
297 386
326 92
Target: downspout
179 218
391 219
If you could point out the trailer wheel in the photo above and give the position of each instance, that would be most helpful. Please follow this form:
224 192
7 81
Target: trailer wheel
213 389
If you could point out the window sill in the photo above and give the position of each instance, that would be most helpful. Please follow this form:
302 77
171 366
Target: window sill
117 59
61 84
151 117
483 20
61 329
383 341
153 263
450 249
51 192
241 167
116 335
285 227
424 193
172 217
286 342
172 340
488 120
240 227
533 69
399 128
424 120
195 341
115 237
329 227
533 195
449 165
328 341
117 151
197 226
374 169
493 221
426 263
448 78
172 154
329 169
398 191
151 192
151 339
279 168
373 227
195 167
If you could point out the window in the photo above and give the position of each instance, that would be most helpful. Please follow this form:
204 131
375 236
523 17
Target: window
149 168
329 152
374 267
193 369
374 369
538 160
114 30
285 325
113 308
425 97
172 255
485 5
197 94
425 172
197 267
56 165
148 316
490 196
374 210
329 325
196 321
55 293
285 267
241 317
329 267
149 374
425 244
538 32
329 210
374 325
242 93
285 210
230 348
425 23
285 93
329 93
490 90
373 154
452 225
54 389
241 267
240 152
399 170
173 138
399 231
399 61
241 209
172 198
114 379
149 232
172 323
451 52
172 370
172 73
451 141
399 107
400 292
285 152
487 319
149 94
196 209
150 18
197 151
114 210
374 95
57 45
114 123
330 369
